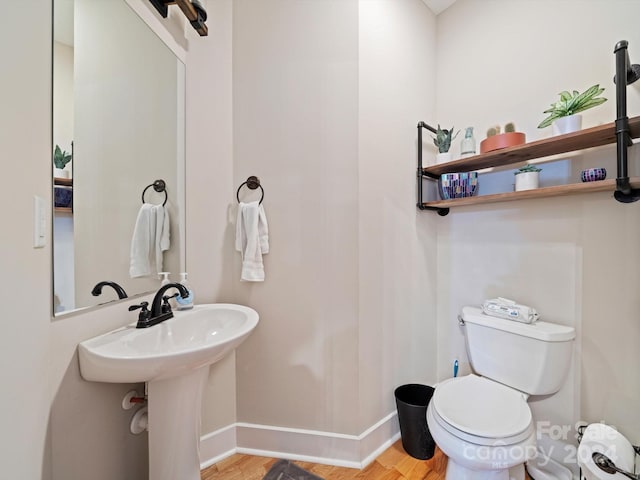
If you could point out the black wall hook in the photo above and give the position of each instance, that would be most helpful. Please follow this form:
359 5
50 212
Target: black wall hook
252 183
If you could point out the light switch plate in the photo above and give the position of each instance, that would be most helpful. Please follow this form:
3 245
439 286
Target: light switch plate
39 222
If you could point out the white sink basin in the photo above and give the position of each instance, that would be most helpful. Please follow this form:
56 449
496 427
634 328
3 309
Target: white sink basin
192 339
173 358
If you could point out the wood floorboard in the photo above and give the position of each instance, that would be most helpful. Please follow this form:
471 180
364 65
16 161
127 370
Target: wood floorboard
393 464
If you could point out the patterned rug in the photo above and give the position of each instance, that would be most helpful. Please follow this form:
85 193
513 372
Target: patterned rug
285 470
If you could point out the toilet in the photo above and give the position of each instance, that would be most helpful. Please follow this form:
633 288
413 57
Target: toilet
482 421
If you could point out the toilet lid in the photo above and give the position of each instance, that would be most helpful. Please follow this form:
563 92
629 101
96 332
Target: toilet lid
483 408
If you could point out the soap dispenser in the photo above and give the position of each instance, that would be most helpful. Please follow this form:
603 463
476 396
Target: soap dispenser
165 278
185 303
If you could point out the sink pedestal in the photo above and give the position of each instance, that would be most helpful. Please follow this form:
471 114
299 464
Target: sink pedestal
174 406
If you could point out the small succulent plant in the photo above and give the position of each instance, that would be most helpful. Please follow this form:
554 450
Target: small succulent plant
496 130
572 103
61 157
528 168
443 139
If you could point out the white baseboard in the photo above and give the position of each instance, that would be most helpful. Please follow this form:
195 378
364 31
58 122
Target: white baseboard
218 445
353 451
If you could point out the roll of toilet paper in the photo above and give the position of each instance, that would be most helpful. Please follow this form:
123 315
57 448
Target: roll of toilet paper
602 438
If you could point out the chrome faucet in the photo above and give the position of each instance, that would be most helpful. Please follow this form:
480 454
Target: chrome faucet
160 308
97 290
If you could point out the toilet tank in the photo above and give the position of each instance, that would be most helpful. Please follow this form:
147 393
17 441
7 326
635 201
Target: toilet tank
532 358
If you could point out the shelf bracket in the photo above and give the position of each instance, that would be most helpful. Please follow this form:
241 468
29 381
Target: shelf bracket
420 173
192 9
626 74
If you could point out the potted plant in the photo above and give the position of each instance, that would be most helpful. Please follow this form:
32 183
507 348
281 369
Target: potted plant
527 177
443 140
563 114
496 140
60 160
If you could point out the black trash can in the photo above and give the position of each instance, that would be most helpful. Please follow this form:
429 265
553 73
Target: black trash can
412 401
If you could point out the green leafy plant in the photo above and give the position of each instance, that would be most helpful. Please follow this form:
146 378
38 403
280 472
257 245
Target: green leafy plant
528 168
443 139
572 103
61 157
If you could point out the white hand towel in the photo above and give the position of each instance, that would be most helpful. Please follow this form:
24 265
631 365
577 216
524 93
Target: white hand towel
252 240
162 235
142 241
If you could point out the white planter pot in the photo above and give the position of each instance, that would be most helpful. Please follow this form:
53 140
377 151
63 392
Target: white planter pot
443 157
60 173
527 181
562 125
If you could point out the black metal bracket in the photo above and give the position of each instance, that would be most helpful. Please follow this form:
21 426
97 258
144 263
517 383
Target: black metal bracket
161 6
625 75
421 175
192 9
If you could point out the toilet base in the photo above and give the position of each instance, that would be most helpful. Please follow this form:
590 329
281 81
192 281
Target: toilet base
458 472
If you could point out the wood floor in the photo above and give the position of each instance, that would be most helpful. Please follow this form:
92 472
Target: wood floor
392 464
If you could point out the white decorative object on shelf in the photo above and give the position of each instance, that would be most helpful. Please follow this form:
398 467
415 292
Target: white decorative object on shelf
443 157
468 144
527 178
569 124
60 173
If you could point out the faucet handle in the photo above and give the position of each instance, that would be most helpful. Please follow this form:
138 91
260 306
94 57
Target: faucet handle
144 311
165 302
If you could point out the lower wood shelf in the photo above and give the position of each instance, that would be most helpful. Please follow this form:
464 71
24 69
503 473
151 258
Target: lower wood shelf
555 191
63 210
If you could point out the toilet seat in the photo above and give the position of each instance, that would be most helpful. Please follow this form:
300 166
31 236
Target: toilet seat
482 411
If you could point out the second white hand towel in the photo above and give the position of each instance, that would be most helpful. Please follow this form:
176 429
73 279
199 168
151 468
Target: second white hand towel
252 240
141 243
162 235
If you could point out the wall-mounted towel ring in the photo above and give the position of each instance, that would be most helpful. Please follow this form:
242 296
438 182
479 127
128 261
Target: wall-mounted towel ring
159 186
252 183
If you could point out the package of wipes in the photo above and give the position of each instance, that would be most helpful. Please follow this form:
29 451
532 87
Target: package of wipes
504 308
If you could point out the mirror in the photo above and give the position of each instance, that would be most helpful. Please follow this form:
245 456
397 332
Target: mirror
119 123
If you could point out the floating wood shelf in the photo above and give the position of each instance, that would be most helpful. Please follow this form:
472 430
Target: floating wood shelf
587 138
63 210
571 142
555 191
66 182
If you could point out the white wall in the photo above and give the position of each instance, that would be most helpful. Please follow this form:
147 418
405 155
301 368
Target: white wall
397 243
573 258
211 191
26 138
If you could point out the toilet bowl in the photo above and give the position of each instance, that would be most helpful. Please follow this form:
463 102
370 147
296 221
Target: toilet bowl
485 428
482 421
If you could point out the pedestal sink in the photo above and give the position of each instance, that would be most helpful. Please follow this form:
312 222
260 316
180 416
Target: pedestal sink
173 358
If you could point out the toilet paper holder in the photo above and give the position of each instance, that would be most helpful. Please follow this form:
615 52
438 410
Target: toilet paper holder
599 458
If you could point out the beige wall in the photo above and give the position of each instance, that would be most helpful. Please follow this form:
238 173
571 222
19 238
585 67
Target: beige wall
573 258
295 120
